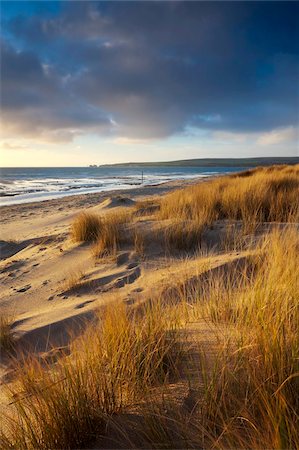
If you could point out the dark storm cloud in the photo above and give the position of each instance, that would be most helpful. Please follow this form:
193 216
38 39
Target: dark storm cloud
152 69
36 101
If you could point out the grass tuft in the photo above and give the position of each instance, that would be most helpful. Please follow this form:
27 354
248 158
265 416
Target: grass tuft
6 334
111 366
112 234
256 196
86 227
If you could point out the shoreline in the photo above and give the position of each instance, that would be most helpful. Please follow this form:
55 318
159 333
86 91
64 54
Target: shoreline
15 199
73 202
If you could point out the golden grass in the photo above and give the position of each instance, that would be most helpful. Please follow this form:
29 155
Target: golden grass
244 395
110 367
248 400
183 235
251 398
105 231
112 233
260 195
86 227
6 334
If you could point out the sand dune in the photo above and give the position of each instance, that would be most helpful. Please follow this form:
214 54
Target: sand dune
39 262
49 283
137 260
119 200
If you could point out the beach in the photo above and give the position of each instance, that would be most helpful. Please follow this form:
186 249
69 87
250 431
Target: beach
38 255
176 266
149 225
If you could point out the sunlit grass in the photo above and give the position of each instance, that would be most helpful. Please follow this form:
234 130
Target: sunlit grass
86 227
111 366
112 233
253 197
251 399
6 333
244 394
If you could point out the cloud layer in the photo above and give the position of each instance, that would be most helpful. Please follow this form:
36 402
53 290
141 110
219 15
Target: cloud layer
150 70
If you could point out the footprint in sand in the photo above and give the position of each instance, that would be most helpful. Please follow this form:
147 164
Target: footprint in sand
122 258
62 295
14 266
81 305
128 279
24 289
18 322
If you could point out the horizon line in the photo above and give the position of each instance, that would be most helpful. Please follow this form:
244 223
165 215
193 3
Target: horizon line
156 162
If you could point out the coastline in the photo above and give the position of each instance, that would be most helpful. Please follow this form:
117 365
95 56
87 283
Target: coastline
35 185
71 204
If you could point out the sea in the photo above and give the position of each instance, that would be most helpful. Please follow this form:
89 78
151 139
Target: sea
25 185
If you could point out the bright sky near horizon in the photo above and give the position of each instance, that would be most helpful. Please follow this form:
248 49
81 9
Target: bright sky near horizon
88 82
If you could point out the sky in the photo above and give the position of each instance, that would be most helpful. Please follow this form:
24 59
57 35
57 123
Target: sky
88 82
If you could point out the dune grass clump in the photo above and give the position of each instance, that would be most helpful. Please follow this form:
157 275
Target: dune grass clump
6 334
110 367
256 196
86 227
112 234
106 232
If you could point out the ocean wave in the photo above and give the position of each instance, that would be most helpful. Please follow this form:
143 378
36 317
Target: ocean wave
30 185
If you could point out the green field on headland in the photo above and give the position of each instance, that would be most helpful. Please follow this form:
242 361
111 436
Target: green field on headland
214 162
